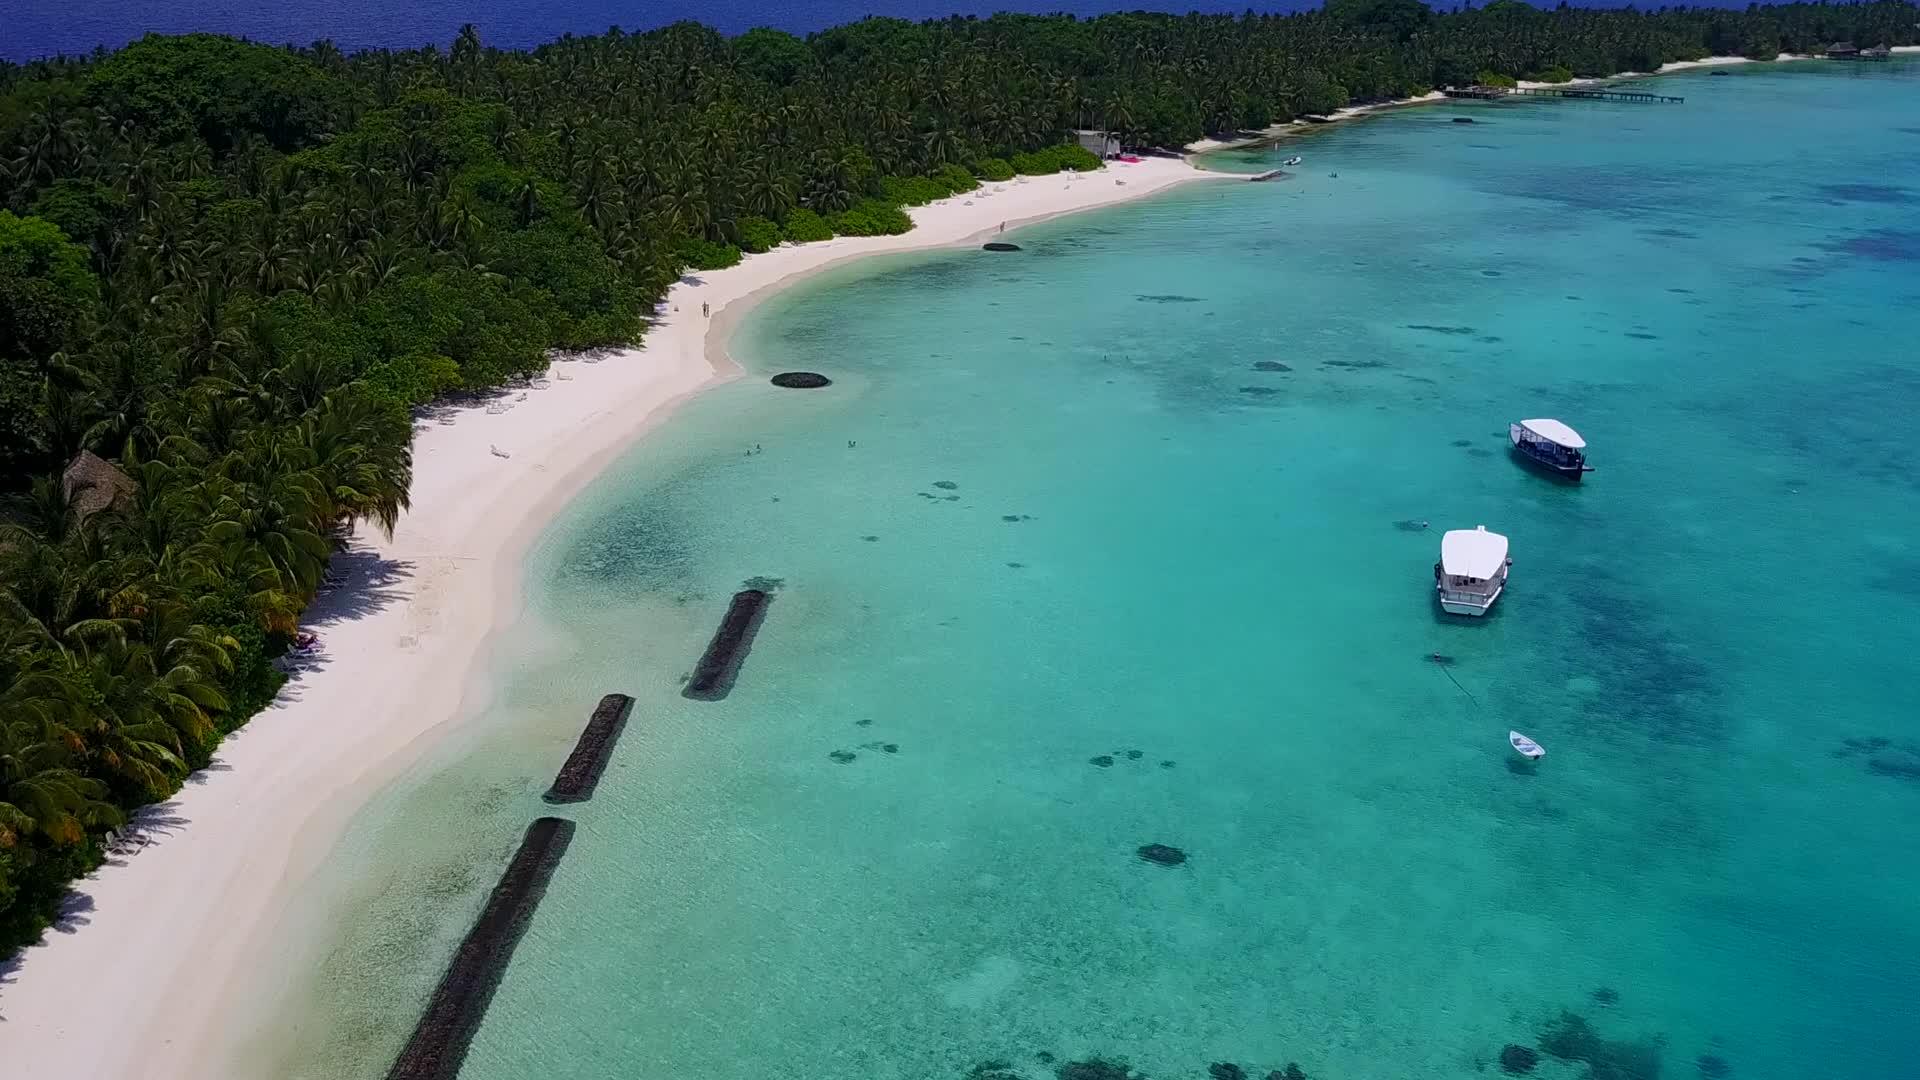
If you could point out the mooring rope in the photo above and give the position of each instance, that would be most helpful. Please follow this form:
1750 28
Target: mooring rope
1437 662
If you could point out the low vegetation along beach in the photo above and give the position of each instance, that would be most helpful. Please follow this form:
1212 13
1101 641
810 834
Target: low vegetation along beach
301 352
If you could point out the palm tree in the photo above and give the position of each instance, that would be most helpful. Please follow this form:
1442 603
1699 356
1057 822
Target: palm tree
363 465
39 793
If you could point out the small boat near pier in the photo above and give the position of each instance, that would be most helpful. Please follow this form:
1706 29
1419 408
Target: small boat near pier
1550 445
1472 571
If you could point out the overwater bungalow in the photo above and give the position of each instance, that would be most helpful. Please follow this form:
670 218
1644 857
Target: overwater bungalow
1847 50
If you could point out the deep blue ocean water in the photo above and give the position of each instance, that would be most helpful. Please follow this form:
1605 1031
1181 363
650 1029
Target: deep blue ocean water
1053 510
34 28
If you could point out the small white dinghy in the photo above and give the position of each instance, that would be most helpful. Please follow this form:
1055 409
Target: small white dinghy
1528 749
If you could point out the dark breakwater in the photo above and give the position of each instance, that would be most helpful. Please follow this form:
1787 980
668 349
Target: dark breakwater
581 772
713 676
439 1044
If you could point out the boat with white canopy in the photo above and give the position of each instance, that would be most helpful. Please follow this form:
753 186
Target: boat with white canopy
1472 571
1551 445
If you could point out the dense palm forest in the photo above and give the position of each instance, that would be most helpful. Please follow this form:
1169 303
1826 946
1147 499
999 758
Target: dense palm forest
229 272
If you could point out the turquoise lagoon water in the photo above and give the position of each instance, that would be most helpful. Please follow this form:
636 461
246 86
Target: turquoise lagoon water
1051 510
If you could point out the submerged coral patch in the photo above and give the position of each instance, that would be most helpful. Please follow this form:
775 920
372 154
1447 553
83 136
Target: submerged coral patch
1096 1069
1167 298
1518 1060
1906 766
1867 193
1864 744
1456 331
1880 245
1270 365
1572 1038
1163 854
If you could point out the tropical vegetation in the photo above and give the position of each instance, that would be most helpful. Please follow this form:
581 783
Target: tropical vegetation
230 272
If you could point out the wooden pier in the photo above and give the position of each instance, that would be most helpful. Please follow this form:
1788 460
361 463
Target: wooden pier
1589 93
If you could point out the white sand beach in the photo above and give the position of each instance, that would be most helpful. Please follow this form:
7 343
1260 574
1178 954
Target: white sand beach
164 939
1292 127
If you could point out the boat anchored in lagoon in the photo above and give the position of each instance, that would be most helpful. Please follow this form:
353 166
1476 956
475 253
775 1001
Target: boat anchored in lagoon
1526 747
1472 571
1552 446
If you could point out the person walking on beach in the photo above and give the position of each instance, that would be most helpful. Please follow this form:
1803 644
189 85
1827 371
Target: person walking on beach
1003 226
703 309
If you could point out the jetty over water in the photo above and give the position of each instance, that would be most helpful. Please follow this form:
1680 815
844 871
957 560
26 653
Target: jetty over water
1590 93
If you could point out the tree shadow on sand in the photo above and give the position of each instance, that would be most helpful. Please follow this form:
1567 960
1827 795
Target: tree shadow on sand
143 829
367 583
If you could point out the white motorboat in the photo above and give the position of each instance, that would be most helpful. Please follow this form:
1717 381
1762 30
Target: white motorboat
1291 162
1551 445
1528 749
1472 571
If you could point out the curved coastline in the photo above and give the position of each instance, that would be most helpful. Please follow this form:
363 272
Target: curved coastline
184 919
1295 128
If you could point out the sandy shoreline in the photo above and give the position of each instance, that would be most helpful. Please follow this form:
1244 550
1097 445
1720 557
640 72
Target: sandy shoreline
163 938
1296 127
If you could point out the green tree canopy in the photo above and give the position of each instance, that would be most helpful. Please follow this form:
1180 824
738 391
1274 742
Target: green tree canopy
220 89
46 289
